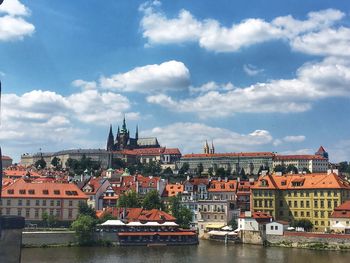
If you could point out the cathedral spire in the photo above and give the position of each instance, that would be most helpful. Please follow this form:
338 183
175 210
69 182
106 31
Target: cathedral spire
212 149
110 140
206 147
124 130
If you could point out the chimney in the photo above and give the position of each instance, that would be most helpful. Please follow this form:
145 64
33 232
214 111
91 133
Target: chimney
238 179
188 177
226 179
219 179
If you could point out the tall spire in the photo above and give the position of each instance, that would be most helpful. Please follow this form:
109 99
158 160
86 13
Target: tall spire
124 130
212 149
137 132
110 140
206 147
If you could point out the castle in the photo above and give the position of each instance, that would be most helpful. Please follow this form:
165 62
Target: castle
123 141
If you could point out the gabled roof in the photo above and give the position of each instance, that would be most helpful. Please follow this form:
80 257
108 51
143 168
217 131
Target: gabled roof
197 181
173 190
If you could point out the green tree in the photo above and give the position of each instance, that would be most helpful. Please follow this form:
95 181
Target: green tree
304 223
182 214
168 171
184 168
56 162
233 223
280 168
129 200
85 209
306 170
84 227
45 218
40 163
52 221
151 168
343 166
220 172
210 171
292 168
200 169
152 201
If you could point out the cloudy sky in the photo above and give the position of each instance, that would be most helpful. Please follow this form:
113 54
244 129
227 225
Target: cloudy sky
249 75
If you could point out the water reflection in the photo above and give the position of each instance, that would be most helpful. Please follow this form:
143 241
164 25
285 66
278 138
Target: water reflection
206 252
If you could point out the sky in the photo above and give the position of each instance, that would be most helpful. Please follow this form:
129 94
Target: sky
248 75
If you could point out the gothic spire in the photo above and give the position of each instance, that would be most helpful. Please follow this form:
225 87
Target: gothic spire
124 130
110 140
212 149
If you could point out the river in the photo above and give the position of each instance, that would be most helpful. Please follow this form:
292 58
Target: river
206 251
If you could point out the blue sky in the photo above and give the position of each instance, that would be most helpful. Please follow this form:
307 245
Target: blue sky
249 75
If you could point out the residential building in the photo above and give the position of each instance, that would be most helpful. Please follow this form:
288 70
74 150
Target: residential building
300 196
197 188
340 218
6 161
276 228
94 189
222 189
253 221
31 199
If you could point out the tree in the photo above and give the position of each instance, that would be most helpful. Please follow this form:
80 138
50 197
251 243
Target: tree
292 168
129 200
118 163
280 168
182 214
40 163
343 166
168 171
184 168
151 168
210 171
85 209
200 169
243 175
45 218
56 162
84 226
52 221
306 170
233 223
220 172
304 223
152 201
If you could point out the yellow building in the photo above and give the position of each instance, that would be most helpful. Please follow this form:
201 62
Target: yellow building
300 196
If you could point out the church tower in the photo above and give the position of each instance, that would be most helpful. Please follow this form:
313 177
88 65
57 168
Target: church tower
110 140
206 147
137 133
212 149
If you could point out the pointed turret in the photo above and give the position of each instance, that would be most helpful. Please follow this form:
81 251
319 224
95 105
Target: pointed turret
206 147
124 130
110 140
322 152
137 133
212 149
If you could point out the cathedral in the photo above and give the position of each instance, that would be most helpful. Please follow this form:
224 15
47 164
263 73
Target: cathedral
123 141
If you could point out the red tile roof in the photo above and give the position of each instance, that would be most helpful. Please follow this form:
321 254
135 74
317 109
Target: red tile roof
197 181
256 215
19 171
152 151
245 154
222 186
4 157
31 189
173 190
299 157
342 211
302 181
147 182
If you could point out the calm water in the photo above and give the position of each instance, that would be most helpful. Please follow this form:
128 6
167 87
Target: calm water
207 251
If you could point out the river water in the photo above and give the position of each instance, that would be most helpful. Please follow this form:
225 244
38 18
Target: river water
206 251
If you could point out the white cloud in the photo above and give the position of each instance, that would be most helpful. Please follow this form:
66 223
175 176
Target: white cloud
190 137
298 152
13 8
314 81
85 85
12 24
170 75
294 138
211 35
252 70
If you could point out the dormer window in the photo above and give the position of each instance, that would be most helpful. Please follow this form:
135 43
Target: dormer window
264 183
22 191
45 192
56 192
10 191
31 192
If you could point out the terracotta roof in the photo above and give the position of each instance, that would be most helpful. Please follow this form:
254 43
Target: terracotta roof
245 154
301 181
321 150
94 184
154 215
198 181
342 211
147 182
173 190
30 189
299 157
256 215
4 157
151 151
172 151
19 171
222 186
168 233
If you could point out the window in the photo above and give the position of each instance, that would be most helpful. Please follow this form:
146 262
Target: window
22 191
307 194
316 214
10 191
45 192
315 203
51 212
271 227
302 213
307 204
19 202
8 202
301 203
56 192
329 203
27 212
295 213
71 204
8 210
276 227
335 203
19 212
308 214
27 202
31 192
37 202
322 203
52 203
295 203
36 213
58 203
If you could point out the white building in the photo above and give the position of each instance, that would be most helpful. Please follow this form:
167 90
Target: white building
276 228
313 163
253 221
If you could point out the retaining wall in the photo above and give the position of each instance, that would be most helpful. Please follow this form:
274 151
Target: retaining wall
49 238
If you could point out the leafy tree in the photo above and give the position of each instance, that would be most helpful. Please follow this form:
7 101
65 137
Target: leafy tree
40 163
306 170
182 214
84 226
243 175
343 166
129 200
228 171
200 169
118 163
292 168
79 166
184 169
52 221
220 172
105 217
152 201
210 171
151 168
280 168
233 223
85 209
304 223
45 218
168 171
56 162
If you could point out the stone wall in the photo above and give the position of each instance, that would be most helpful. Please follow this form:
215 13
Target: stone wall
310 240
48 238
251 237
10 245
